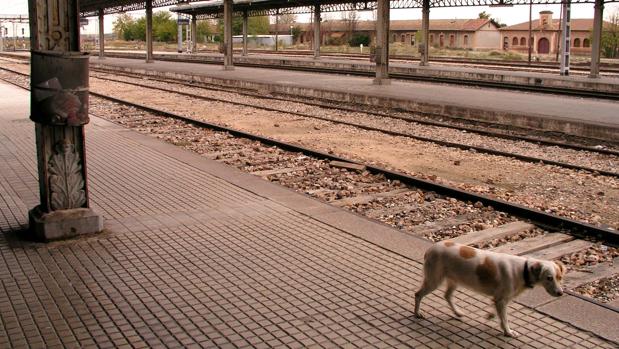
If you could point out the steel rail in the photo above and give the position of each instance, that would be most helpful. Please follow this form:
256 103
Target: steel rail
389 132
403 118
543 219
329 105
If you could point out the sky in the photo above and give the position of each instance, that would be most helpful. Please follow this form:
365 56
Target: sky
507 15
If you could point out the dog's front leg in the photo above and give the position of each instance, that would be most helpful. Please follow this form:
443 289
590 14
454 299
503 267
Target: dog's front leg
501 310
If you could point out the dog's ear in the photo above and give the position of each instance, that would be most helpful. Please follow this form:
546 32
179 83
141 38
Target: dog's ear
561 268
536 270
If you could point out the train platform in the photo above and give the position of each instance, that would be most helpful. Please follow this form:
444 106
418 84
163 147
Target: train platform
587 117
198 254
490 73
593 118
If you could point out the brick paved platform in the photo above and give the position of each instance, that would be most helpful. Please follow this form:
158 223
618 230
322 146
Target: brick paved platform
197 254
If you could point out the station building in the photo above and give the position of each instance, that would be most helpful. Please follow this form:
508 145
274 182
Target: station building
475 34
546 35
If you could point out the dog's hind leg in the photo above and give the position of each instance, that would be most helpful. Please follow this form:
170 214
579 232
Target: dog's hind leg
451 287
429 284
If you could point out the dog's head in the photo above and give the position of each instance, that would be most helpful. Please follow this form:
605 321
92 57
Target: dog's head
550 275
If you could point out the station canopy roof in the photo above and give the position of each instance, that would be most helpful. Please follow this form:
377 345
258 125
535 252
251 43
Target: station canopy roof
213 9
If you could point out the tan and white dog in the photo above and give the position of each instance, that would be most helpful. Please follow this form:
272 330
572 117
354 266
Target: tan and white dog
501 276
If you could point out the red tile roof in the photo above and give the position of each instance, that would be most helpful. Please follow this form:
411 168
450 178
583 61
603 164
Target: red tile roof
577 24
412 25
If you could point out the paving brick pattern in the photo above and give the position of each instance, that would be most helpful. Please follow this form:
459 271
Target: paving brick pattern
190 260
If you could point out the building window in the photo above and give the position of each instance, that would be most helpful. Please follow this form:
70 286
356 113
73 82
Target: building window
441 40
523 41
431 39
585 43
515 42
577 42
395 37
466 40
402 38
452 40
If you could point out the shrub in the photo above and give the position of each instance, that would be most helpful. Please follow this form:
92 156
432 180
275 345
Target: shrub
359 39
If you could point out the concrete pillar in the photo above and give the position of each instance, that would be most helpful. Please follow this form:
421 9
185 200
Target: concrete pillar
565 38
59 108
179 34
382 43
101 35
149 31
316 31
228 64
194 34
245 27
425 29
597 37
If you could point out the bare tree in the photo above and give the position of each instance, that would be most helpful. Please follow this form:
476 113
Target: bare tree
610 36
350 19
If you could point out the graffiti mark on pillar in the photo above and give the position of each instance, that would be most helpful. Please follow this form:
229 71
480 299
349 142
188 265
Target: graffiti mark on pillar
65 181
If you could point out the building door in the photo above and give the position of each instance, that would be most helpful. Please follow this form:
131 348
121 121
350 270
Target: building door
543 46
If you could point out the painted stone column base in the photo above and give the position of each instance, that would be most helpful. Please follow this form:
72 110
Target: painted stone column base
63 224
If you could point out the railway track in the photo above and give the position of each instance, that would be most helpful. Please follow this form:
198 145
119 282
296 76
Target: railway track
583 67
480 149
583 93
413 205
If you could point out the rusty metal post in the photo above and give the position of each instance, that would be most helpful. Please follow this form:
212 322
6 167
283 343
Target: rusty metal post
425 30
245 27
597 38
316 31
382 43
228 63
101 36
149 31
59 108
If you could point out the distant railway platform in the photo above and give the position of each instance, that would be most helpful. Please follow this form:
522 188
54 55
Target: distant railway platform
198 254
555 113
399 68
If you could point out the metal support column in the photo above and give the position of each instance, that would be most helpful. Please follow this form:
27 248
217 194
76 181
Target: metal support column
597 37
382 43
530 38
149 31
565 37
101 36
59 108
194 34
245 27
276 29
316 31
179 34
425 29
228 64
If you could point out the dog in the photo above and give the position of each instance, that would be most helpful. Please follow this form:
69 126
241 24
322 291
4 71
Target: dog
501 276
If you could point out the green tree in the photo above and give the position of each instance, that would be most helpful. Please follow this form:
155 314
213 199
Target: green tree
255 25
204 30
122 25
165 28
484 15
